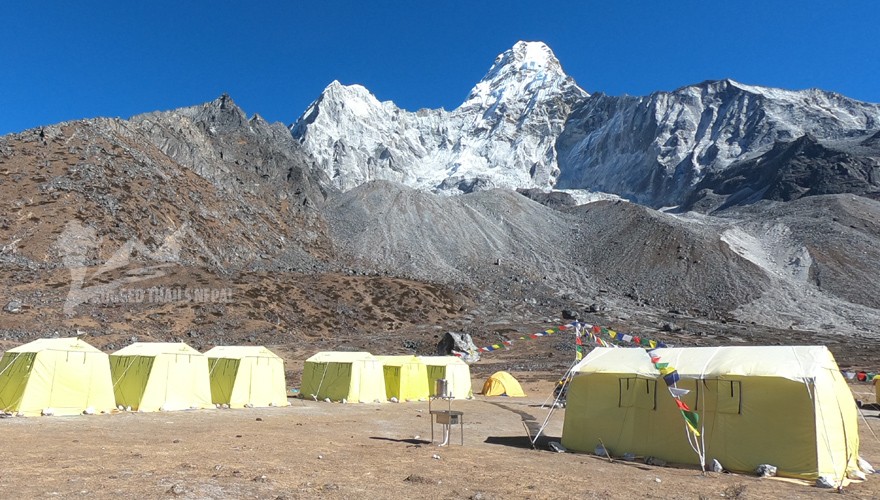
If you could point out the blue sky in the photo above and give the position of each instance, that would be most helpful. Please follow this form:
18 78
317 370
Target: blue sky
69 60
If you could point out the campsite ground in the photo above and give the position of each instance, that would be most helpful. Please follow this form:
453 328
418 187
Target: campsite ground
316 449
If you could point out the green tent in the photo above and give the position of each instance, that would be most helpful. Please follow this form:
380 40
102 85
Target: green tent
63 376
246 376
406 378
788 406
156 376
349 376
456 372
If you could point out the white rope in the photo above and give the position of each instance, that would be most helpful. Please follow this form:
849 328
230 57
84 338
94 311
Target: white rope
807 380
847 454
566 381
867 424
702 452
321 383
10 363
569 375
122 376
16 403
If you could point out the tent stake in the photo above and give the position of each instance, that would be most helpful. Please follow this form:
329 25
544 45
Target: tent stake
529 435
606 451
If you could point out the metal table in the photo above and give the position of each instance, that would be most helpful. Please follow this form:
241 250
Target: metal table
447 418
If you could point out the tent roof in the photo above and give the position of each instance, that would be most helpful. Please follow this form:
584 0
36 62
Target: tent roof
399 360
442 360
791 362
155 349
240 351
340 357
62 344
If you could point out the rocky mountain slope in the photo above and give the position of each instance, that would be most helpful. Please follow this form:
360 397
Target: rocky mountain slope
654 149
792 170
236 189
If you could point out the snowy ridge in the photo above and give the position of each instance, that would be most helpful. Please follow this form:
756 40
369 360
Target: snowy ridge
654 149
527 124
503 135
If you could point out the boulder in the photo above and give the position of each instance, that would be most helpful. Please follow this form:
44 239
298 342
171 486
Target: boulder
458 344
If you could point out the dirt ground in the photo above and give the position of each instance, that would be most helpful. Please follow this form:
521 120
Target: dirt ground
330 450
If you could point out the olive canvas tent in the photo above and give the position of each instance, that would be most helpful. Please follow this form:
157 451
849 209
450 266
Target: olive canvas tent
502 384
350 376
158 376
63 376
406 378
456 372
784 406
246 376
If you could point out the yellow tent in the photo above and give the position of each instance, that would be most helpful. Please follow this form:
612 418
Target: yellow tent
406 378
55 376
250 376
157 376
784 406
454 370
349 376
502 384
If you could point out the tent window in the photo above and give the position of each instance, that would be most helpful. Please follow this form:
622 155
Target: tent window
637 392
725 394
730 397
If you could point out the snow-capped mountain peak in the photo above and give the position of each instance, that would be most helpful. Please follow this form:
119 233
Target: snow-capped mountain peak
503 135
520 73
525 57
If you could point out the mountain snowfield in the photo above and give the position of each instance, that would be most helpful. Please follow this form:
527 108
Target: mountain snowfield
527 124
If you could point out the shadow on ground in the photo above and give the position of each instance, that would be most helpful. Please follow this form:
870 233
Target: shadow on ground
543 442
408 441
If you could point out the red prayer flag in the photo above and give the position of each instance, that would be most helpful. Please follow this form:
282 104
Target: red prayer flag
682 405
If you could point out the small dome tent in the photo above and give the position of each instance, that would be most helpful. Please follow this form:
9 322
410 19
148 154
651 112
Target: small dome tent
63 376
246 376
159 376
502 384
349 376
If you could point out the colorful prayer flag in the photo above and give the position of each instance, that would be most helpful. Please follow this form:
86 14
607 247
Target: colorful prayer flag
677 392
671 378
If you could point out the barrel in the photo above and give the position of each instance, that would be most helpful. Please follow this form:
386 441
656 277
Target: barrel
441 388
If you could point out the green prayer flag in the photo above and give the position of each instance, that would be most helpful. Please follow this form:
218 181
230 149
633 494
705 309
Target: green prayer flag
692 418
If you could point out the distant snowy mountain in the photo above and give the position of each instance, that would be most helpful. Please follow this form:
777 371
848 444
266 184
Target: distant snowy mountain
503 135
655 149
527 124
